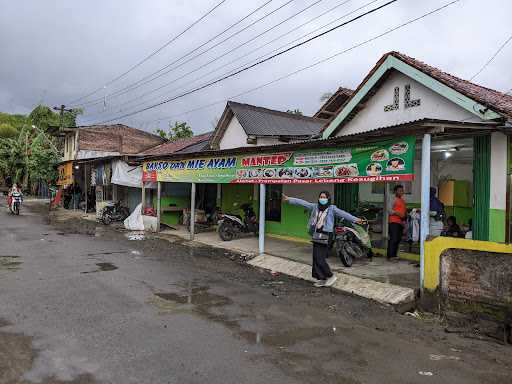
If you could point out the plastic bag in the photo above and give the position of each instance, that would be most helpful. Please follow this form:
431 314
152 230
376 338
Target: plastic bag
134 221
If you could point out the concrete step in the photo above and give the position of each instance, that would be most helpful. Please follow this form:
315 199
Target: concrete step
401 297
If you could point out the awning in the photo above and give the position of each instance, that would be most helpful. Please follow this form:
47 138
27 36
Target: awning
127 175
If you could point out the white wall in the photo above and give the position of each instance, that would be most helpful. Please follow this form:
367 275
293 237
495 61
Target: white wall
432 106
498 171
70 142
235 137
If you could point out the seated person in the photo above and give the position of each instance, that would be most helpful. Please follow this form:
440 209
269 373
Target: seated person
469 233
452 228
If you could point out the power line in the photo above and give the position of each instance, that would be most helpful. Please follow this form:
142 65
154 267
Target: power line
151 54
255 64
245 55
149 78
248 54
324 60
492 58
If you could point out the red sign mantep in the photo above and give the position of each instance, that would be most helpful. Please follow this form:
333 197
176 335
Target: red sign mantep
149 176
265 160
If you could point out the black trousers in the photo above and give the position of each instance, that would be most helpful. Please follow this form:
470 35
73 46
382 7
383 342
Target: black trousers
321 269
396 232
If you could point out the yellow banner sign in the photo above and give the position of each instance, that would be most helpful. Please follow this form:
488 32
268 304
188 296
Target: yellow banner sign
65 174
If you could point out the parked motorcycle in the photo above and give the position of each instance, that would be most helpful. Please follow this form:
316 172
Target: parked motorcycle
16 200
114 212
232 226
352 242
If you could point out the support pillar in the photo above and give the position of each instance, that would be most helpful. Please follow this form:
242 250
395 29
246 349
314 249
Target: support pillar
261 231
86 192
192 210
425 201
143 196
158 205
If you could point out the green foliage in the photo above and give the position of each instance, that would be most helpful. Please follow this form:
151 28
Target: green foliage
29 157
7 130
179 130
295 112
44 117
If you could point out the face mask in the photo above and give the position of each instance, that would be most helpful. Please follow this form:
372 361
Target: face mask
323 201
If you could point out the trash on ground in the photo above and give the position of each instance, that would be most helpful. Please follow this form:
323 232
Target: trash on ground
135 236
425 373
443 357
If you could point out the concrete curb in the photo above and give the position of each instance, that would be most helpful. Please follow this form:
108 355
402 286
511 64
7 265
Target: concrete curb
380 292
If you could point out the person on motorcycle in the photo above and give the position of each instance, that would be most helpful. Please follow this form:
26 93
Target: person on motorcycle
14 195
321 227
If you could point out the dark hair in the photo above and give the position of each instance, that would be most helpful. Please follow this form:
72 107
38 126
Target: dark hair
397 187
326 193
452 218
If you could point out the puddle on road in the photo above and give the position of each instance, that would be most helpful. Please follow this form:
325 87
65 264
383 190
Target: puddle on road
103 267
200 301
10 263
288 337
19 357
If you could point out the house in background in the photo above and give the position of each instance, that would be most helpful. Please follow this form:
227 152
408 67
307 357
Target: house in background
243 125
95 159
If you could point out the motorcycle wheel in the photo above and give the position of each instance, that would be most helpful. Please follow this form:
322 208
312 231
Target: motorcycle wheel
106 219
226 232
345 257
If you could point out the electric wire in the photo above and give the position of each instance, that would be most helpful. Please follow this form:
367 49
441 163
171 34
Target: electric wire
305 68
157 74
223 66
491 59
243 56
152 54
257 63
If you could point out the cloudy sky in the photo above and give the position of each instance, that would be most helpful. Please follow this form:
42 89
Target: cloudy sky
55 52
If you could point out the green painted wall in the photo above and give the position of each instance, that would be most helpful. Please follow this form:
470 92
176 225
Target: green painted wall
173 218
233 195
462 214
294 222
497 225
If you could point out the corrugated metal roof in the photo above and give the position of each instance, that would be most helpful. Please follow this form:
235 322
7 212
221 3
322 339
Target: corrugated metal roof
258 121
180 145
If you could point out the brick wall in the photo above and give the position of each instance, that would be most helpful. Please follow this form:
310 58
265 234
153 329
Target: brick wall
478 279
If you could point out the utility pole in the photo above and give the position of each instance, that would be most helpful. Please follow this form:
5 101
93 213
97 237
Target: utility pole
62 109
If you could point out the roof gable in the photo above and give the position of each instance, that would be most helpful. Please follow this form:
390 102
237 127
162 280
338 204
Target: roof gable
485 103
264 122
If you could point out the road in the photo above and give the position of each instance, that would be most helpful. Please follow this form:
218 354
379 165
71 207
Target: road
81 303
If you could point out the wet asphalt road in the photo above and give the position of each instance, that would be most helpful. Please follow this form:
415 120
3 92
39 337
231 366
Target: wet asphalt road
83 304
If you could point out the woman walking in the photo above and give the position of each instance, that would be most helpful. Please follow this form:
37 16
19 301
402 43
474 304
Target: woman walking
321 227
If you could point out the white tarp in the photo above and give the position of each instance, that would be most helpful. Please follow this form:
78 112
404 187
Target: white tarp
134 221
127 175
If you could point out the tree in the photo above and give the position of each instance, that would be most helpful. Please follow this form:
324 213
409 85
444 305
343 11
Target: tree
179 130
29 157
44 117
7 130
295 111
